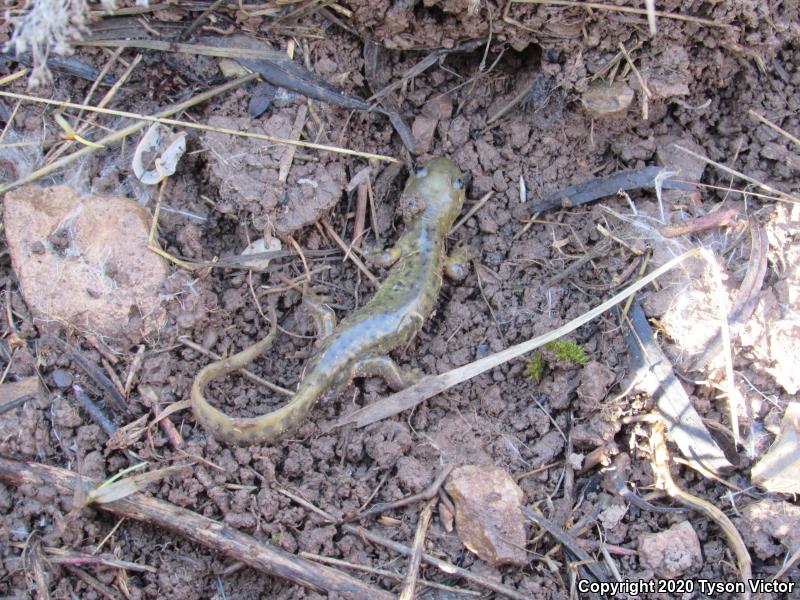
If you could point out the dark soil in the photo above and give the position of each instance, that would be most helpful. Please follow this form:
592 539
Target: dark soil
226 193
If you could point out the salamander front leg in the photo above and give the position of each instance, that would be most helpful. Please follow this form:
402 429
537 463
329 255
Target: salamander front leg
385 368
456 266
387 257
323 316
382 257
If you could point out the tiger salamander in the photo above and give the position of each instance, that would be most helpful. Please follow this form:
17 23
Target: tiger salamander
359 346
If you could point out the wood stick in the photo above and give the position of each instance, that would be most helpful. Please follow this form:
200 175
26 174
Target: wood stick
442 565
428 493
212 534
410 582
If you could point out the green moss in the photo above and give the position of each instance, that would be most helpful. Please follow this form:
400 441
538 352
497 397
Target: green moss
276 538
535 368
568 350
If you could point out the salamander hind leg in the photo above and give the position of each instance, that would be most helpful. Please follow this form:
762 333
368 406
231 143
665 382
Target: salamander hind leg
385 368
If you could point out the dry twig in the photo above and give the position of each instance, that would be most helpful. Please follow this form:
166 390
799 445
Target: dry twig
414 560
212 534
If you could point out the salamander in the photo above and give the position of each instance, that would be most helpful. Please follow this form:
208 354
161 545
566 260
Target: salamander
359 346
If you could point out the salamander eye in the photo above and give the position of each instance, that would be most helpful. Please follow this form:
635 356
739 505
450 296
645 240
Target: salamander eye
420 171
458 183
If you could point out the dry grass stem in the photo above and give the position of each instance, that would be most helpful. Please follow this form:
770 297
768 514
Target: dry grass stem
774 127
432 385
734 191
105 100
783 196
197 49
414 561
122 133
724 311
13 76
622 9
478 205
348 254
178 123
297 130
650 7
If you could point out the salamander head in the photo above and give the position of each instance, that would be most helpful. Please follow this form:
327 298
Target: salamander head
440 184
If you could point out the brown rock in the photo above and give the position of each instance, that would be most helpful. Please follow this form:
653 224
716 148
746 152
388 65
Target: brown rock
423 130
607 98
488 518
682 163
596 378
438 107
85 262
671 553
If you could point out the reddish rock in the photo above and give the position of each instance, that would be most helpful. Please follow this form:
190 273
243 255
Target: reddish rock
488 518
439 107
85 261
422 131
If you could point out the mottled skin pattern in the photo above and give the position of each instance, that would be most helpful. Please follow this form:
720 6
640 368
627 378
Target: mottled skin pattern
359 345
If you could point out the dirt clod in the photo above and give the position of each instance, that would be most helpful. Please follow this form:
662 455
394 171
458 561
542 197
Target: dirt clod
770 527
247 171
595 379
672 553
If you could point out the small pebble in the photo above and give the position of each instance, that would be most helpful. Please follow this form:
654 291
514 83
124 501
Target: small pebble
62 378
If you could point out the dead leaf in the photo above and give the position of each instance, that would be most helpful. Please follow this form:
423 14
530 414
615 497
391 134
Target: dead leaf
157 154
109 492
779 469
